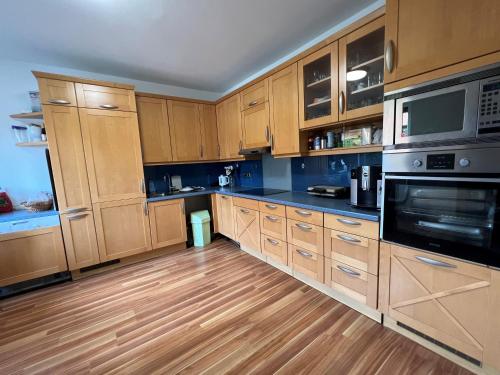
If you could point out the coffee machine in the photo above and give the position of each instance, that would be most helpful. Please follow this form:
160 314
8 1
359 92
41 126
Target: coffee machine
366 186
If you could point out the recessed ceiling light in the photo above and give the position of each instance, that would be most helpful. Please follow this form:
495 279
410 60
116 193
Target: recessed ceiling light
356 75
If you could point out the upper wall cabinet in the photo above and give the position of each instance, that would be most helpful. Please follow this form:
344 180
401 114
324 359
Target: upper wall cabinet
318 87
208 123
184 118
426 35
154 129
53 91
229 127
103 97
255 115
284 111
361 71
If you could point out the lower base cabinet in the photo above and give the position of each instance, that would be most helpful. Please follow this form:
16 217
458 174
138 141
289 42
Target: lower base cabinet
274 248
307 262
122 228
247 228
225 215
31 254
167 220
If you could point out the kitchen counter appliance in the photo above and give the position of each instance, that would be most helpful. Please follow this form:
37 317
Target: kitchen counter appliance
328 191
366 186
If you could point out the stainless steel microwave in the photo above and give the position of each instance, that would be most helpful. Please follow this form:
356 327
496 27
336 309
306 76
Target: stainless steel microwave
458 109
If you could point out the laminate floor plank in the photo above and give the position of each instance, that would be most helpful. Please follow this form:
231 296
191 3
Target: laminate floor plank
199 311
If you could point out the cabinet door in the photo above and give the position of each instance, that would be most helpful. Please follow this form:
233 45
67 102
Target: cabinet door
443 298
113 154
103 97
284 111
209 136
80 239
122 228
428 34
255 95
306 236
67 157
30 254
318 87
361 71
274 248
247 228
229 126
53 91
184 118
154 130
307 262
255 126
168 223
225 215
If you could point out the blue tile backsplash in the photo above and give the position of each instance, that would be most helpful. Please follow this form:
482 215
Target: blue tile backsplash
248 173
329 170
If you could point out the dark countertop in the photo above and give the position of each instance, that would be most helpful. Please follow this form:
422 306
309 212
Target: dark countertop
295 199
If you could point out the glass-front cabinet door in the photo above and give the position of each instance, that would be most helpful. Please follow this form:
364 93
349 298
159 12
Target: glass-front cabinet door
361 72
318 87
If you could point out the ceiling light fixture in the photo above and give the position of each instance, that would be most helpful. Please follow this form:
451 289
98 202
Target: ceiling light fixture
356 75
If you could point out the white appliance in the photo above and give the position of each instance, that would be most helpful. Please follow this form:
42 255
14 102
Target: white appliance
224 180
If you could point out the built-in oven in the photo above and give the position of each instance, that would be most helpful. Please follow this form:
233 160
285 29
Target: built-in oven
444 201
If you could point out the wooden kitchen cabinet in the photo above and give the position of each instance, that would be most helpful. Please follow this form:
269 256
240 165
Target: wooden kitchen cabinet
273 225
274 248
229 127
154 130
362 51
423 36
103 97
209 136
254 95
255 115
284 112
67 157
56 92
30 254
247 228
122 228
306 262
360 227
80 239
167 220
113 154
318 87
306 236
225 215
184 119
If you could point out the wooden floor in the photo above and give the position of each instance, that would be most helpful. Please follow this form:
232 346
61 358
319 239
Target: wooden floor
216 310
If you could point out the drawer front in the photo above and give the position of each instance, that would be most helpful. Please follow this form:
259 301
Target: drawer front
351 281
307 216
272 208
274 226
251 204
356 251
53 91
102 97
350 225
254 95
306 262
305 235
274 248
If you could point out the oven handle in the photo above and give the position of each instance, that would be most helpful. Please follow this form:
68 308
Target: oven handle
438 178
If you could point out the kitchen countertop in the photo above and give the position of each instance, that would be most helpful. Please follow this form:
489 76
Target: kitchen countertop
25 214
295 199
21 221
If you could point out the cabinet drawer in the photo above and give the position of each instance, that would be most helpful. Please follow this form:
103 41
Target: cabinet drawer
102 97
351 281
306 262
356 251
274 226
346 224
53 91
251 204
306 236
254 95
274 248
272 208
307 216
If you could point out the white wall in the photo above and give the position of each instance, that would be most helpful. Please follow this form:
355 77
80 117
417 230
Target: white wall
23 171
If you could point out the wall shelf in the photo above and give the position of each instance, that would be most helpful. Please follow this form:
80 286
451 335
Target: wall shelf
328 100
378 58
32 144
29 118
345 150
319 82
367 88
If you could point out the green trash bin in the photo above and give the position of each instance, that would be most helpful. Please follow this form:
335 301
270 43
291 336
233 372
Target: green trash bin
200 221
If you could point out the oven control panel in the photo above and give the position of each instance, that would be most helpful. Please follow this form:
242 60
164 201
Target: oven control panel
440 161
489 106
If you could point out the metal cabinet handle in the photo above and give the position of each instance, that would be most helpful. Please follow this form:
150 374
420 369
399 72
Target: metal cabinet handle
434 262
108 106
74 210
224 197
343 237
348 271
143 186
349 222
58 101
77 216
303 213
271 206
303 227
304 253
252 103
341 102
201 151
267 133
241 145
218 151
272 141
145 208
242 210
272 242
389 56
272 218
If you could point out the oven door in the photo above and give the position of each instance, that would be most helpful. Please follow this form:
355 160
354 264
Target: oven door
444 114
453 216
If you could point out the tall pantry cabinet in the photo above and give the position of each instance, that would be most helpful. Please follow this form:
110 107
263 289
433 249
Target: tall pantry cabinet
96 160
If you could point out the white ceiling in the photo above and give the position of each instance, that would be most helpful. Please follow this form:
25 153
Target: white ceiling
201 44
